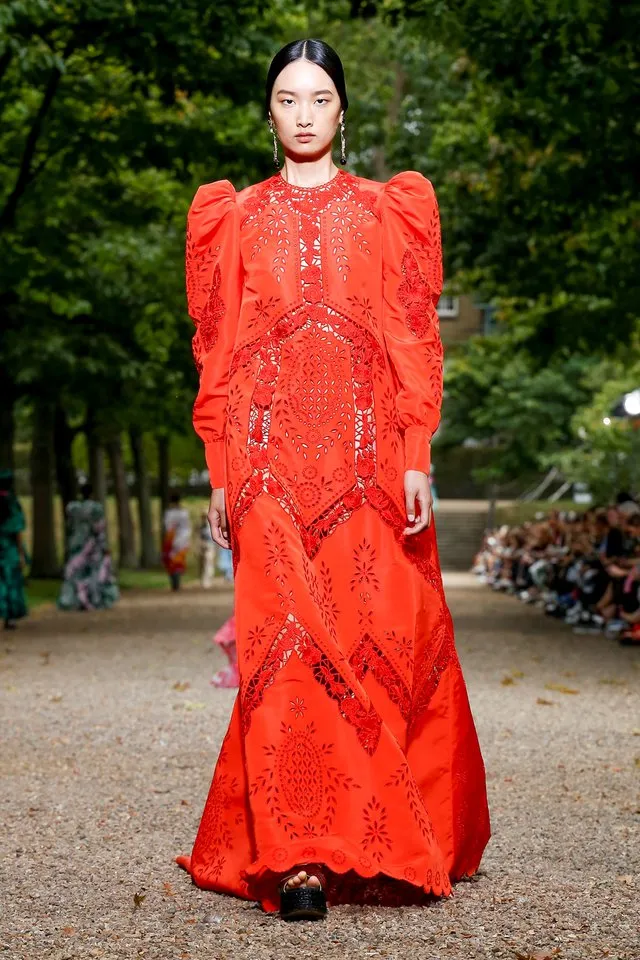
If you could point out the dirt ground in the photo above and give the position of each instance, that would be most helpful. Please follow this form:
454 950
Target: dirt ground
110 734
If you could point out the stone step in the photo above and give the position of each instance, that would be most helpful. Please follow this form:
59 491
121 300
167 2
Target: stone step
459 537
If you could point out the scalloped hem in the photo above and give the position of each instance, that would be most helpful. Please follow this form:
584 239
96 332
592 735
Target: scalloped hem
351 879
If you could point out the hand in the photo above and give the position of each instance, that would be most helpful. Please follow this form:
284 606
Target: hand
217 516
418 499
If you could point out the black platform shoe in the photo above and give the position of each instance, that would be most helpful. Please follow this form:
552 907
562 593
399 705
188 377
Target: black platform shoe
302 903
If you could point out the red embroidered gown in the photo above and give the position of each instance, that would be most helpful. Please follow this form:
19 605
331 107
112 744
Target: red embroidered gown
351 741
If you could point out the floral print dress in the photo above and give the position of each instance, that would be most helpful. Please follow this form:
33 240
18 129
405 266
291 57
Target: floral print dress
88 582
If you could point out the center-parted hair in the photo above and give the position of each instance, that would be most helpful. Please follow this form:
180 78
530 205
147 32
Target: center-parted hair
314 51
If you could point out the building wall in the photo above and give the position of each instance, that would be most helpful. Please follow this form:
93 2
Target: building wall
467 322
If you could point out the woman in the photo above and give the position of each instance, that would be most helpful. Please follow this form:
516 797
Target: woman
176 540
207 557
13 604
351 768
225 637
88 582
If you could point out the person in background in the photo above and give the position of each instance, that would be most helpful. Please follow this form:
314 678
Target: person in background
13 603
432 484
225 637
176 541
207 554
88 581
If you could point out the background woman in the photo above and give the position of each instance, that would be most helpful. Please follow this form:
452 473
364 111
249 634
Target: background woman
13 604
176 540
314 296
89 582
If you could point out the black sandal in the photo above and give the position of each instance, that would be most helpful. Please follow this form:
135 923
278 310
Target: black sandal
302 903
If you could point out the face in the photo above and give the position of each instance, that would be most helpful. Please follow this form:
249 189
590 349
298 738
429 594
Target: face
305 110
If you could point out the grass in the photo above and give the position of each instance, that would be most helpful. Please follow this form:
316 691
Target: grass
41 592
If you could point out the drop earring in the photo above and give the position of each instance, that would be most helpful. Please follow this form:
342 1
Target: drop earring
276 161
343 144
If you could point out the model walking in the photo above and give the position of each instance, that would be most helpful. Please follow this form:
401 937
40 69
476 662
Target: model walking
351 768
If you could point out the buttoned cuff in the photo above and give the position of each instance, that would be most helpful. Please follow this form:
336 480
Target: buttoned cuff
214 455
417 449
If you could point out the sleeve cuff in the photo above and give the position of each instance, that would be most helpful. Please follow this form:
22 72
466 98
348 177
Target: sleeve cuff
214 455
417 449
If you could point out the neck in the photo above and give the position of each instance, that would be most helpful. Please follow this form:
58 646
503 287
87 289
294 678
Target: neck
309 173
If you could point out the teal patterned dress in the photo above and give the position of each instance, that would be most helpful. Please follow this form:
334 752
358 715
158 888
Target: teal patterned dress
89 581
13 603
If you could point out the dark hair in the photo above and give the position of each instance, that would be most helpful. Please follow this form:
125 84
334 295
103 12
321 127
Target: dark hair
86 490
175 497
314 51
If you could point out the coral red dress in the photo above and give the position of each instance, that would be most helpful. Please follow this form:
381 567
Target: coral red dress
351 742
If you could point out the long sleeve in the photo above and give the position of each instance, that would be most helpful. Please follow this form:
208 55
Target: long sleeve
412 283
214 286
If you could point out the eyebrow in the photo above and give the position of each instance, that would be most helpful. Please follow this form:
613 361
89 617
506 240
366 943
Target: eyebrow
316 92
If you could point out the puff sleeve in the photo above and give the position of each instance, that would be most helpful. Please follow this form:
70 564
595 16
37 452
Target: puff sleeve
214 287
412 283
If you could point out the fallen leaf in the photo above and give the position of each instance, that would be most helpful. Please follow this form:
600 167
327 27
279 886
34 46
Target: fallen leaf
168 889
517 673
68 931
194 705
138 900
57 698
560 688
637 761
636 732
568 673
613 681
545 703
507 681
181 685
185 803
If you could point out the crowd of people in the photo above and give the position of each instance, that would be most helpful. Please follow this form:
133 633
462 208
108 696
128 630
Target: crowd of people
581 567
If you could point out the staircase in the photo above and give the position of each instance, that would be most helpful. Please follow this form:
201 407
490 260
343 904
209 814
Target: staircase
460 526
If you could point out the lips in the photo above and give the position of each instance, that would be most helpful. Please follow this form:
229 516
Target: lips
305 136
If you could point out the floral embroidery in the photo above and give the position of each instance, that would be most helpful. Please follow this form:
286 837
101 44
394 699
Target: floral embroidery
294 639
300 785
376 838
415 295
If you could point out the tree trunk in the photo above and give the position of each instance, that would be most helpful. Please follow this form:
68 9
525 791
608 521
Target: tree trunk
126 542
164 471
44 561
97 470
7 426
65 471
148 552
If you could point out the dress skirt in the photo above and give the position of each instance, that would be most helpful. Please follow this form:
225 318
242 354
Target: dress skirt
351 742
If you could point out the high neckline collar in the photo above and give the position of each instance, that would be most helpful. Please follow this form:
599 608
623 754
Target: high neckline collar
327 185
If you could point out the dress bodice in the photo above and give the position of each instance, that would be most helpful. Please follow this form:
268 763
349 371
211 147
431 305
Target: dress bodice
316 334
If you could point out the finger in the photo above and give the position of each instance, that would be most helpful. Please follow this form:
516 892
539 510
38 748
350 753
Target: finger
410 502
219 537
425 514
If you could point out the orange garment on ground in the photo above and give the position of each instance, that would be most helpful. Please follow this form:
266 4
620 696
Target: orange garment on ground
351 742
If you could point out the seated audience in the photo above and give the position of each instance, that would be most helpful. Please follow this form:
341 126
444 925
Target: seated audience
581 567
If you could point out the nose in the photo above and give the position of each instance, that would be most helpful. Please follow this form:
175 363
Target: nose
304 117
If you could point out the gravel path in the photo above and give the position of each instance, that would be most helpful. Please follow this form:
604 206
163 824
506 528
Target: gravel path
112 729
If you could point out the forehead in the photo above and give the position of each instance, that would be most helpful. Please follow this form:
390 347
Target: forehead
303 77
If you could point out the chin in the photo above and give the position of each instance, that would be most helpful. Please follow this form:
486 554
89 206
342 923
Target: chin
301 152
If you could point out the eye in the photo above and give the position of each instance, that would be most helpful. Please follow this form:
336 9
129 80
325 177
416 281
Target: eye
322 100
286 100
